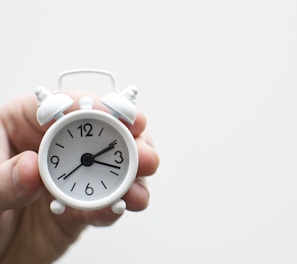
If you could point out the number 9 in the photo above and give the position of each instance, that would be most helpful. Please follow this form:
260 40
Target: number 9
55 160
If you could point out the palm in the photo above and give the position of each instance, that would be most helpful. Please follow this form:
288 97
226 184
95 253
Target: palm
34 233
31 229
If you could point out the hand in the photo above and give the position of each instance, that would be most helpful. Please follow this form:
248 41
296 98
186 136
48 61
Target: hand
29 232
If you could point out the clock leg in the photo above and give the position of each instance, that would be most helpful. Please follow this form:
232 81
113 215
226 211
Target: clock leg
57 207
119 207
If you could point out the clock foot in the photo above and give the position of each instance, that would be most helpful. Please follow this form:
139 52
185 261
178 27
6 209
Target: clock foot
57 207
119 207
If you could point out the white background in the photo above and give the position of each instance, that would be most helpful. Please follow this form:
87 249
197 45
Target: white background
218 83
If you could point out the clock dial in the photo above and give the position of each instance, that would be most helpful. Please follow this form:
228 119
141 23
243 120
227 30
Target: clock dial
88 159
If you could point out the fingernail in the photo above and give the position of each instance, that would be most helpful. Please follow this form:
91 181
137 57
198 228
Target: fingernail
142 181
16 179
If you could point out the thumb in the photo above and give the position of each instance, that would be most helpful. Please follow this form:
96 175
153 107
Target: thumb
20 183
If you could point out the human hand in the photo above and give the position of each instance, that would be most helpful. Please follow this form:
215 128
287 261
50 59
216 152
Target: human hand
29 232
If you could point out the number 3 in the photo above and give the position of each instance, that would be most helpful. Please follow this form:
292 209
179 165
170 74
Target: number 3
119 155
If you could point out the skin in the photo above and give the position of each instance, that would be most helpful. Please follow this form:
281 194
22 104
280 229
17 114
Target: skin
29 232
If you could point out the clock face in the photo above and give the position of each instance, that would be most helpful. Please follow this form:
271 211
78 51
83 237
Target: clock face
87 159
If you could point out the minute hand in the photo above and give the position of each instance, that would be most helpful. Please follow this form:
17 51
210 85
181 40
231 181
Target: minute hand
108 148
75 169
107 164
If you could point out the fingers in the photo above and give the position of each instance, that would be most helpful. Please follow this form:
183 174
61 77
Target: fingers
148 157
137 198
139 125
20 182
21 113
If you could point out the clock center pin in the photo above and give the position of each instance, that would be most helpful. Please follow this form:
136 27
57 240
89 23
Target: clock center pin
87 159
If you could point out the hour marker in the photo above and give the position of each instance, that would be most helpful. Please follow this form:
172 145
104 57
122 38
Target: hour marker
100 132
59 145
103 185
73 187
113 172
61 176
70 133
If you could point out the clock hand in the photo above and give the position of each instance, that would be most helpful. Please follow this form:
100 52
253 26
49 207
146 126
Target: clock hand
75 169
107 164
108 148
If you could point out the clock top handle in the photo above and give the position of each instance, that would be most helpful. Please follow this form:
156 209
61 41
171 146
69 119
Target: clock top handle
79 71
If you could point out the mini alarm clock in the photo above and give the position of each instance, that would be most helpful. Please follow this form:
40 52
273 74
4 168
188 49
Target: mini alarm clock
88 158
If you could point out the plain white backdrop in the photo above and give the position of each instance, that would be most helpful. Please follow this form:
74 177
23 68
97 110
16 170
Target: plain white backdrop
218 83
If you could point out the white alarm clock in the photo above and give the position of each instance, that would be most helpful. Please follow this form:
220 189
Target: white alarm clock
88 158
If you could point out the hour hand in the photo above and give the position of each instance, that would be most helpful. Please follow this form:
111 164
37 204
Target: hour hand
108 148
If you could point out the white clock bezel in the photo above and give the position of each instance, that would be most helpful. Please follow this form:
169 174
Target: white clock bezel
43 159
